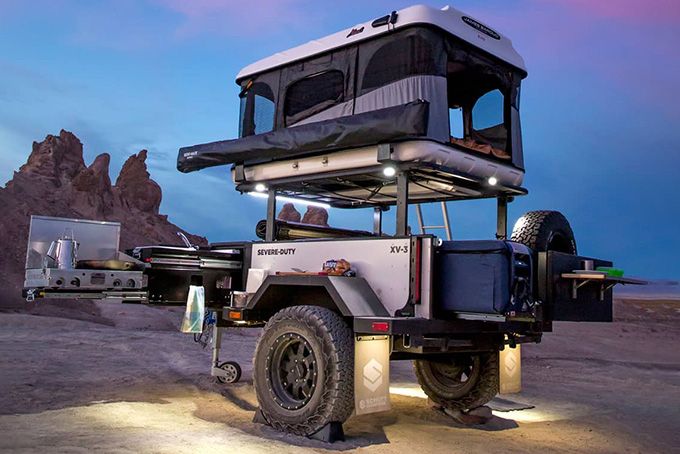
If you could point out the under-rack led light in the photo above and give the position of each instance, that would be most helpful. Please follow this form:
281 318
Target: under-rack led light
283 198
389 171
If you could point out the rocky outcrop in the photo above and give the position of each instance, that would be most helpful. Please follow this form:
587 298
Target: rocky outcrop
316 216
57 159
289 213
55 181
135 189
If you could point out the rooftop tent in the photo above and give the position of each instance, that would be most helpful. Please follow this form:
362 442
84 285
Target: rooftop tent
391 71
394 70
418 81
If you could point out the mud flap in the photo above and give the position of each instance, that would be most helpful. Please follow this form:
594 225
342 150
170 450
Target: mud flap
371 374
510 370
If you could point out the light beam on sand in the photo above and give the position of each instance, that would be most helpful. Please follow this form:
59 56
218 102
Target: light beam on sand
523 416
410 391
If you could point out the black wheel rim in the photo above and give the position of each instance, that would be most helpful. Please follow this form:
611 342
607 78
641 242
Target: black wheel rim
457 375
291 371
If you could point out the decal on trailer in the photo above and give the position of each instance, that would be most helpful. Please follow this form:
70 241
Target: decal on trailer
277 251
396 249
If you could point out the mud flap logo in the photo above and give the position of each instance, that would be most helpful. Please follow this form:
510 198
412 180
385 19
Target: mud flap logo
373 375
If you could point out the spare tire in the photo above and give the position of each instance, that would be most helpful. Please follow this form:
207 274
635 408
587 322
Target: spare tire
545 231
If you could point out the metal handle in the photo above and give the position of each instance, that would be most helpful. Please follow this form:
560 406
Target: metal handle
186 241
52 250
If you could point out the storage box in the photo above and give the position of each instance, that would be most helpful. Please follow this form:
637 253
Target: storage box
477 276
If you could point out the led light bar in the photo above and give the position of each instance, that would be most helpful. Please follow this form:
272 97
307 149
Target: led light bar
283 198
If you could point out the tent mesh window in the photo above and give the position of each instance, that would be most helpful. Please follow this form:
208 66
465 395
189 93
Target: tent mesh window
479 94
398 59
313 94
257 111
488 123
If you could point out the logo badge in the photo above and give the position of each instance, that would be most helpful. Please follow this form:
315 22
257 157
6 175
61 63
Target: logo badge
355 31
510 364
373 375
480 27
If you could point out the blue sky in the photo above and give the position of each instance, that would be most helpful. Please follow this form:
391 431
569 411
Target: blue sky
600 108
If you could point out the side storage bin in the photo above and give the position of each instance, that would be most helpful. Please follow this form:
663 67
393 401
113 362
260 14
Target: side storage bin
473 276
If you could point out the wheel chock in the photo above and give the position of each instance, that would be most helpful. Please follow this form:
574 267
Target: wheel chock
259 418
330 433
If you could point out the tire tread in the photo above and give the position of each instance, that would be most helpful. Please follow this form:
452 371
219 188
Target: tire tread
337 401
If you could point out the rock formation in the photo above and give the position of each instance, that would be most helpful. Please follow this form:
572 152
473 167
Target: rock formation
56 182
316 216
289 213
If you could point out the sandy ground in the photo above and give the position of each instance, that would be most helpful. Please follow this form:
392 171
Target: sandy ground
125 382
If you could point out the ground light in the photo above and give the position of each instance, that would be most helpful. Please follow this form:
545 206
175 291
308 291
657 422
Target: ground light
283 198
524 416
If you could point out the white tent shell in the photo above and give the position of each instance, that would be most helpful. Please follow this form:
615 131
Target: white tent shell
315 119
448 19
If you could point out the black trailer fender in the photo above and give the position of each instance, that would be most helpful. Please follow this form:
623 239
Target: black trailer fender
349 296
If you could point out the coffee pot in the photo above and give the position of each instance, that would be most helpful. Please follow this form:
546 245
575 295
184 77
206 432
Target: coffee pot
63 252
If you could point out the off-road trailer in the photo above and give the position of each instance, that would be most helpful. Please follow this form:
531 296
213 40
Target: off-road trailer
421 105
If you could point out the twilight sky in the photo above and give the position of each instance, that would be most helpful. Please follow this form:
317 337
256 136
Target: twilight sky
600 108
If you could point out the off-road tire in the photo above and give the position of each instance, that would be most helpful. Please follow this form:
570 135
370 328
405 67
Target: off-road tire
479 390
332 344
545 231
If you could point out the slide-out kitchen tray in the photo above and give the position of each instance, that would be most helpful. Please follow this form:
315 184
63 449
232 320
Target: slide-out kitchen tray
605 281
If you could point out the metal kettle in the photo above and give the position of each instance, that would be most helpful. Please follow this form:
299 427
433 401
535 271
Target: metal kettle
63 252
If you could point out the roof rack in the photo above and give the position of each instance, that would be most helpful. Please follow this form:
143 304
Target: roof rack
370 187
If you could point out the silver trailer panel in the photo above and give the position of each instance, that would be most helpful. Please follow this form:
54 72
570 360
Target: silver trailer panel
383 262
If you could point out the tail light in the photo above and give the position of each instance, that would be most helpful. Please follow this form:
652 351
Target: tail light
382 327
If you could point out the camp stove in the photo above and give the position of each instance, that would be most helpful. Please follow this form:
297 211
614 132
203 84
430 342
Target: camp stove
55 262
84 279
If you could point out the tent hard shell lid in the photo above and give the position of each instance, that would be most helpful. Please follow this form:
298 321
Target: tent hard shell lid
432 92
447 18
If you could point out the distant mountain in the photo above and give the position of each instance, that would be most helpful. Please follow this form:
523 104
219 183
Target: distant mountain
56 182
657 289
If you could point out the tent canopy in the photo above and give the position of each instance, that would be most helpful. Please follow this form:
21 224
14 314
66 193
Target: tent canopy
408 83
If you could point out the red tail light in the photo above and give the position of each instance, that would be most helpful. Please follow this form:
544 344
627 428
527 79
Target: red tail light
382 327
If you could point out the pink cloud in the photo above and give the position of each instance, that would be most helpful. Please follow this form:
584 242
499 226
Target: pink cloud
627 10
